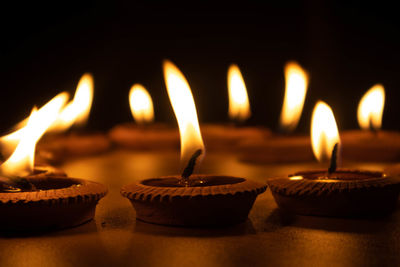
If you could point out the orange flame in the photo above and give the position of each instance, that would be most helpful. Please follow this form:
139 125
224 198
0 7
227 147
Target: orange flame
21 162
77 111
295 93
239 106
141 104
184 108
370 109
9 142
324 131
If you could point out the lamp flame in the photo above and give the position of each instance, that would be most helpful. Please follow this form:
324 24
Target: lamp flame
21 162
370 109
9 142
324 131
239 107
296 79
141 104
77 111
184 108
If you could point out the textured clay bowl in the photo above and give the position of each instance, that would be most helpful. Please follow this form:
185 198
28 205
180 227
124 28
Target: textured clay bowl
55 149
346 193
150 137
57 202
215 201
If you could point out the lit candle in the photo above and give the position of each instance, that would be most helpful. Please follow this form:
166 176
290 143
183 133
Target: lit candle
187 199
144 133
33 197
333 191
284 147
371 143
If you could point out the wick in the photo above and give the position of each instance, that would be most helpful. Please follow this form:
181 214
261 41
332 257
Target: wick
283 131
333 165
373 130
2 158
17 184
190 166
237 122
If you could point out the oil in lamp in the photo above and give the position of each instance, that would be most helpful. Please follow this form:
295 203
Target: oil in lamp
66 137
186 199
144 134
33 197
284 147
334 192
371 143
227 137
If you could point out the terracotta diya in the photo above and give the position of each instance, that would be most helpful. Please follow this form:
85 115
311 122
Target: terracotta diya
54 149
43 201
42 197
276 149
144 134
283 147
191 200
334 192
64 139
371 143
222 137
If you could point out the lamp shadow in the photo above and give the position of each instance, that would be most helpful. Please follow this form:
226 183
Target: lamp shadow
280 218
245 228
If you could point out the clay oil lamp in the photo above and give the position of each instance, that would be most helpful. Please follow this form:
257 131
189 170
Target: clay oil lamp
334 192
144 134
371 143
66 137
219 137
191 200
283 146
40 198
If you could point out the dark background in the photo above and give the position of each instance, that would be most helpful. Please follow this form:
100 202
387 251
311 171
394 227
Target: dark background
346 47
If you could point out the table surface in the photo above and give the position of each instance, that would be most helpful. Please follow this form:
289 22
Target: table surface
268 237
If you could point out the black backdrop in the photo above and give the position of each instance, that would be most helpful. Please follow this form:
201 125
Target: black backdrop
346 47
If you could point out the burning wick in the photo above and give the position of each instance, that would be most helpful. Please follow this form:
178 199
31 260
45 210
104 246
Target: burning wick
190 166
372 127
17 184
333 165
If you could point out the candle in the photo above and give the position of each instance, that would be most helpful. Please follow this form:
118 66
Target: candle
144 134
219 137
33 198
334 192
371 143
284 147
60 144
186 199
